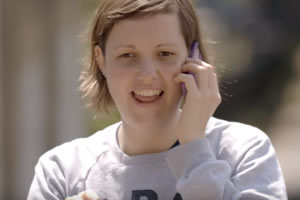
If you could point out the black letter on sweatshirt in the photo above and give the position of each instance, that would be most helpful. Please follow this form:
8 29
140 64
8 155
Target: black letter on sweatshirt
177 197
137 194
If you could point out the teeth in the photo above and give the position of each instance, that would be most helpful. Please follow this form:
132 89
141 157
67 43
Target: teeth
148 93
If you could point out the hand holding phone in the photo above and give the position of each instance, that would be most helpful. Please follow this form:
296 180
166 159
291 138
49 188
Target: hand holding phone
201 96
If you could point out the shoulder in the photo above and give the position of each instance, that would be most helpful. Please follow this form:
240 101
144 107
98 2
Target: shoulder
228 132
73 159
92 146
233 141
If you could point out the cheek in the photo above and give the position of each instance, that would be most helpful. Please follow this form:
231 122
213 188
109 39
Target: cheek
174 88
171 70
116 73
116 80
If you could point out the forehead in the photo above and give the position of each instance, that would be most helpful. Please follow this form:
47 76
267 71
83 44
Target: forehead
161 26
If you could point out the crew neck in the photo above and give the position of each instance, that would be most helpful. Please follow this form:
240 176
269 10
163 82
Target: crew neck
127 159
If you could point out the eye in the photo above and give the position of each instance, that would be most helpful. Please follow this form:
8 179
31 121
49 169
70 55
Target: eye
166 53
127 55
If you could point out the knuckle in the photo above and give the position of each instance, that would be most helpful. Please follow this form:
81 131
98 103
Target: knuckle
218 99
202 69
211 70
215 98
183 76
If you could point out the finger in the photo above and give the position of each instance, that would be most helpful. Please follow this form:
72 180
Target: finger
191 69
198 62
214 85
203 77
188 80
213 82
201 74
194 60
74 198
89 195
214 88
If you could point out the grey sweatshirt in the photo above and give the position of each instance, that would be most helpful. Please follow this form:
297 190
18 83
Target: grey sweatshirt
233 161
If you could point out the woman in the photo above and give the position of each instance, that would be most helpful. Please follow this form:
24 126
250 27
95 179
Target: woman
145 60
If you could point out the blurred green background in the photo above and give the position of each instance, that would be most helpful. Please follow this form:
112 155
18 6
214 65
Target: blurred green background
254 44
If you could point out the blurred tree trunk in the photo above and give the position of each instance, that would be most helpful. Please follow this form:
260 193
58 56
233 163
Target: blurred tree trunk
39 71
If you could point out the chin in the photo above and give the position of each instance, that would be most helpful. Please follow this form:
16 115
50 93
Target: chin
150 122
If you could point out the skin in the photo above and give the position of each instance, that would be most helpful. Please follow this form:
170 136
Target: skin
150 53
85 195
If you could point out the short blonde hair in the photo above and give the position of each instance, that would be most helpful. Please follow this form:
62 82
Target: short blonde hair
93 84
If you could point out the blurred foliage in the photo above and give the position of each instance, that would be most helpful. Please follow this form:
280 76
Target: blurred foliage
102 120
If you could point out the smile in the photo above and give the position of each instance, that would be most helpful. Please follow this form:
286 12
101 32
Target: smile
147 96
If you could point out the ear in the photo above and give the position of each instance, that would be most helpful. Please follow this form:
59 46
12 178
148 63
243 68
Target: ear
100 59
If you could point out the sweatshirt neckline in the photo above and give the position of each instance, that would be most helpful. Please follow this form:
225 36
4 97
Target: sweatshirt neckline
143 158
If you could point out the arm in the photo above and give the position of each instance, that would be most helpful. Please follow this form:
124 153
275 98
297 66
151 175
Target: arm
45 187
48 182
255 175
61 172
200 173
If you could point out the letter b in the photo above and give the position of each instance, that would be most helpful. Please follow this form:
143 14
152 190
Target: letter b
138 194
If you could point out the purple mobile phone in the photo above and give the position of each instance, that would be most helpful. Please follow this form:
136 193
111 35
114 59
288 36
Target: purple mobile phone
194 53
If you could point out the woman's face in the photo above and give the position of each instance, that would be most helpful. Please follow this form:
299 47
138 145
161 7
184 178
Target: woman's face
142 57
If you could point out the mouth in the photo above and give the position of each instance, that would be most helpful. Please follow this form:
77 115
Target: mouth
147 96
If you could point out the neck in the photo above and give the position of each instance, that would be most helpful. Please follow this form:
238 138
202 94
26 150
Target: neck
137 141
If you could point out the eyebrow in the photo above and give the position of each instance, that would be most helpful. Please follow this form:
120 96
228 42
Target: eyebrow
126 46
167 44
133 46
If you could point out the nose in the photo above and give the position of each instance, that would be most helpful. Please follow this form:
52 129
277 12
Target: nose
148 71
